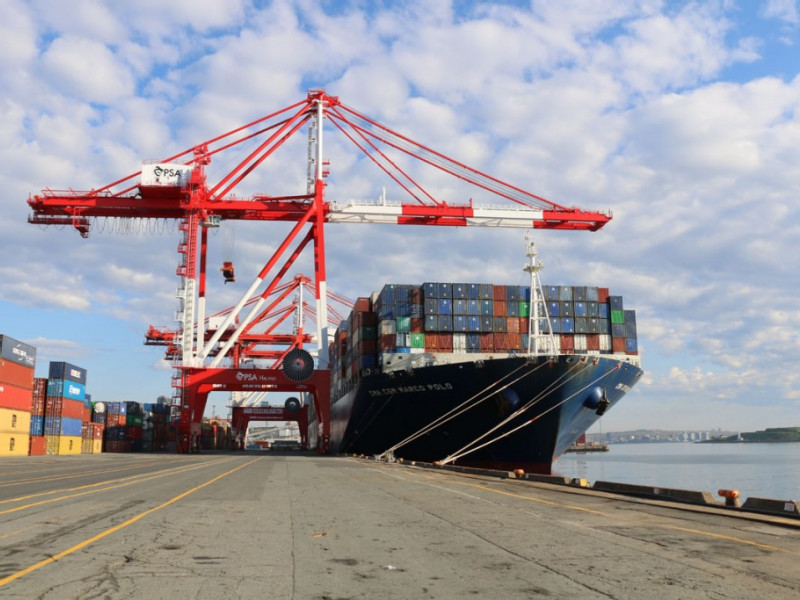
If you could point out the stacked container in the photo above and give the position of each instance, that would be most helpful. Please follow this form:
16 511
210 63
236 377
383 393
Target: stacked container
65 408
17 362
114 436
92 438
475 318
38 444
134 426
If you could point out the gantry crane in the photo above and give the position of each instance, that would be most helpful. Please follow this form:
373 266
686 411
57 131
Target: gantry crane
177 188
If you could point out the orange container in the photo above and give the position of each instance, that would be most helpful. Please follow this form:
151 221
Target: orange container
16 374
18 398
38 445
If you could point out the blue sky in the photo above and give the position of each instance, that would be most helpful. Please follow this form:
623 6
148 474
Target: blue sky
683 118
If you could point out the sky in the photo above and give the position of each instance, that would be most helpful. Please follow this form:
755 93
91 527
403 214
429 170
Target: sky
681 118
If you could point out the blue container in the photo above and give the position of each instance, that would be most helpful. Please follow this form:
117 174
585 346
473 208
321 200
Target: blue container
556 324
404 350
591 294
17 352
487 324
594 325
485 291
618 330
445 290
512 309
487 308
387 295
551 292
592 310
631 345
473 323
459 306
99 418
554 308
567 325
460 323
472 291
431 306
366 361
525 292
580 309
445 323
62 426
603 326
603 311
581 325
431 322
565 293
473 307
630 330
114 433
513 293
63 370
499 325
37 425
579 293
615 302
445 306
402 309
630 316
473 341
459 291
416 311
431 290
62 388
386 311
567 309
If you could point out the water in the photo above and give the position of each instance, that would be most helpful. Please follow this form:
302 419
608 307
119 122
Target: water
756 470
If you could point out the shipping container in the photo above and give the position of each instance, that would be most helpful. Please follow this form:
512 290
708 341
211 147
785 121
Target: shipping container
14 444
17 352
39 395
62 426
16 374
69 444
15 397
13 421
37 425
64 388
65 407
37 445
63 370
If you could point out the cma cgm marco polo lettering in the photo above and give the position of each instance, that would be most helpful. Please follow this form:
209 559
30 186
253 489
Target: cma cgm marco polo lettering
496 376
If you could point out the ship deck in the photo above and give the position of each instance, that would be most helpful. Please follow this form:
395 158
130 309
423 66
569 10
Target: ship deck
301 526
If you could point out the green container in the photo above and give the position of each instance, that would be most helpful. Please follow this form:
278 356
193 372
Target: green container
617 316
403 323
134 420
367 333
417 340
524 309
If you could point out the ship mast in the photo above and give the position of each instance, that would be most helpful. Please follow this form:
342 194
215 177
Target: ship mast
538 342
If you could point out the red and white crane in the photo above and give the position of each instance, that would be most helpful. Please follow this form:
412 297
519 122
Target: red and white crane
177 187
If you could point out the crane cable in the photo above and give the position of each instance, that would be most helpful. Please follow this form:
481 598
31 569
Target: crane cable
463 407
463 451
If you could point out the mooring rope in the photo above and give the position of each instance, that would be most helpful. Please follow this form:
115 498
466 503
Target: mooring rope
463 451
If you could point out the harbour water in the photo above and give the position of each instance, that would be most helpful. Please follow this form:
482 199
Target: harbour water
756 470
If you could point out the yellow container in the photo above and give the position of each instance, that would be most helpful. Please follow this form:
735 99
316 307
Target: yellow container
51 442
86 446
97 446
14 444
15 421
69 444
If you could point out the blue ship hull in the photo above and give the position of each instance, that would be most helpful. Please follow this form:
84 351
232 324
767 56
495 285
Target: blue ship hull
384 409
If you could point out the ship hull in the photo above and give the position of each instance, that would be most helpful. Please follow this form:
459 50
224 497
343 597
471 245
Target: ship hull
566 394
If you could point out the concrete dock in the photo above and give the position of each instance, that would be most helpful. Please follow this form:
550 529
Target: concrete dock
305 527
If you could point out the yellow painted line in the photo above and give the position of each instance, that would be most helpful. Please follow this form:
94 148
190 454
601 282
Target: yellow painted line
75 474
111 487
116 528
106 482
728 538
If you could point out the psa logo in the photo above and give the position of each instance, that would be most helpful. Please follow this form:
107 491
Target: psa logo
246 376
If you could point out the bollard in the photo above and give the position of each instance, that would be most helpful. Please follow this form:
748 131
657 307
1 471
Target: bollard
519 473
731 497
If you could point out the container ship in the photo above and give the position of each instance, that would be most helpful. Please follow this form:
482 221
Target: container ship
494 376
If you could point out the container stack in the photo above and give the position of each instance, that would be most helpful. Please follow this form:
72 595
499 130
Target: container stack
92 438
114 439
38 443
17 363
156 421
134 422
65 408
477 318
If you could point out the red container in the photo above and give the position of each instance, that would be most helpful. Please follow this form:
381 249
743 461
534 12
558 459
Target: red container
501 341
87 414
366 347
487 342
64 407
117 446
499 293
618 344
38 445
362 305
523 325
19 398
500 308
602 294
388 342
593 341
417 325
514 341
568 343
512 324
133 433
16 374
39 395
